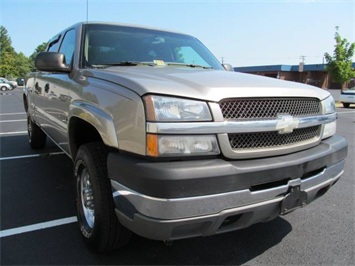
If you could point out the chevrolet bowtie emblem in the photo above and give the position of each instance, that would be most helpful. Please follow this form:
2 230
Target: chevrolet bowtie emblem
286 124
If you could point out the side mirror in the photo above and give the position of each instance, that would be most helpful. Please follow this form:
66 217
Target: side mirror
51 62
228 67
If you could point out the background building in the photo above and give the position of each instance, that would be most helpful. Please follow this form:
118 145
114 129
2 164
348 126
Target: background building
313 74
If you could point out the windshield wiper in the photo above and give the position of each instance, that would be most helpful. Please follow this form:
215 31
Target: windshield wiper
124 63
189 65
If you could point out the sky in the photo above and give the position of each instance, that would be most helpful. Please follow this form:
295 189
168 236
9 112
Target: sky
238 32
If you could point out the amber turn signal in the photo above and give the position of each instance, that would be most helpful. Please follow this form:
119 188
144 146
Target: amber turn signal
152 145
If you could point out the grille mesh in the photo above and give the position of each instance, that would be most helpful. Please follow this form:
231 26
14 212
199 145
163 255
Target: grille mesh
264 109
269 108
271 139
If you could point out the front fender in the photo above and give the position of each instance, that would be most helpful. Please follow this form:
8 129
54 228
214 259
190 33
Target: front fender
98 118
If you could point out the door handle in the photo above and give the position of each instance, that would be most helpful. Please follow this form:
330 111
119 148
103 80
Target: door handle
46 88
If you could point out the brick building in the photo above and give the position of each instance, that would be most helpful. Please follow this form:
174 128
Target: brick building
313 74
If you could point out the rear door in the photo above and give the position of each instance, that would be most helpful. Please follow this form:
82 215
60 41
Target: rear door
54 94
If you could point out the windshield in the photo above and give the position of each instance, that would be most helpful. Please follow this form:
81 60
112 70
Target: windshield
106 45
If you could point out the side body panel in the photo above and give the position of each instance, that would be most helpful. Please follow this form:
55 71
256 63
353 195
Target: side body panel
52 105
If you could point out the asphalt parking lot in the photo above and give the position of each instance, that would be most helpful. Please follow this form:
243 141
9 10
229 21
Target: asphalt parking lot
37 224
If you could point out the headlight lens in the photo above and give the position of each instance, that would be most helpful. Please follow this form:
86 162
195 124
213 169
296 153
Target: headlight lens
329 108
168 109
329 105
168 146
329 129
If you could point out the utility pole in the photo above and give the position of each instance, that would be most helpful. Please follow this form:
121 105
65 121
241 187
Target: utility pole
301 66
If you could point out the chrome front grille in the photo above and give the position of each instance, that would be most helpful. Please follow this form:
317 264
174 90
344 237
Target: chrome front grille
251 109
262 140
272 142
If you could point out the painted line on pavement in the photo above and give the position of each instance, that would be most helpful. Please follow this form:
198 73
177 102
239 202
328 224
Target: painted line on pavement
39 226
13 133
8 121
346 112
22 113
31 156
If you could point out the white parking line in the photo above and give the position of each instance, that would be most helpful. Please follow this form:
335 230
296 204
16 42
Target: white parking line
31 156
39 226
13 133
8 121
22 113
346 112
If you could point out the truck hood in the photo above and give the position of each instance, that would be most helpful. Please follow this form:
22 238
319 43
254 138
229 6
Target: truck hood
204 84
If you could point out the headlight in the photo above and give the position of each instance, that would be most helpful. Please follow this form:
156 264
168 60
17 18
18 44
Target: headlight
329 108
329 129
328 105
168 109
168 146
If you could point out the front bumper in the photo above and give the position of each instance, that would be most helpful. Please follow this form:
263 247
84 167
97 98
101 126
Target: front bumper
172 200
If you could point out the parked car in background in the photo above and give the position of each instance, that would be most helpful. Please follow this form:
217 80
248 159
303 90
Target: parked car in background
20 81
4 86
347 97
13 84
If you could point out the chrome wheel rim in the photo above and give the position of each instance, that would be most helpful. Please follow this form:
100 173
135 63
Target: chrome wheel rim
87 198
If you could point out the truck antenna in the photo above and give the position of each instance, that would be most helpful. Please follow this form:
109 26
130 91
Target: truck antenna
87 10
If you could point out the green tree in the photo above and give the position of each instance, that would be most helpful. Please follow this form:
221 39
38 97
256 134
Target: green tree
23 65
12 64
5 41
7 54
339 65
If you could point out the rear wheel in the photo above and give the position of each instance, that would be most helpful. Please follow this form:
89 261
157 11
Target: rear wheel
95 208
36 137
346 105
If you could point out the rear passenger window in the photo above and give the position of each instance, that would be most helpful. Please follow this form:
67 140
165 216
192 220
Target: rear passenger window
68 45
53 45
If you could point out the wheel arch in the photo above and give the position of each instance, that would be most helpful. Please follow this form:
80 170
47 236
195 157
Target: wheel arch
88 123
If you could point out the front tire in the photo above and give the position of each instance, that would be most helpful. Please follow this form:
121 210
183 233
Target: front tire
98 222
3 88
36 137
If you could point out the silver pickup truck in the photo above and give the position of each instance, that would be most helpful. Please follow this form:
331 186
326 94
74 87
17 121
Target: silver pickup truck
169 144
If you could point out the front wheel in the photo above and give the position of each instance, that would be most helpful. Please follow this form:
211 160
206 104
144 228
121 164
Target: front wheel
95 208
36 137
3 88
